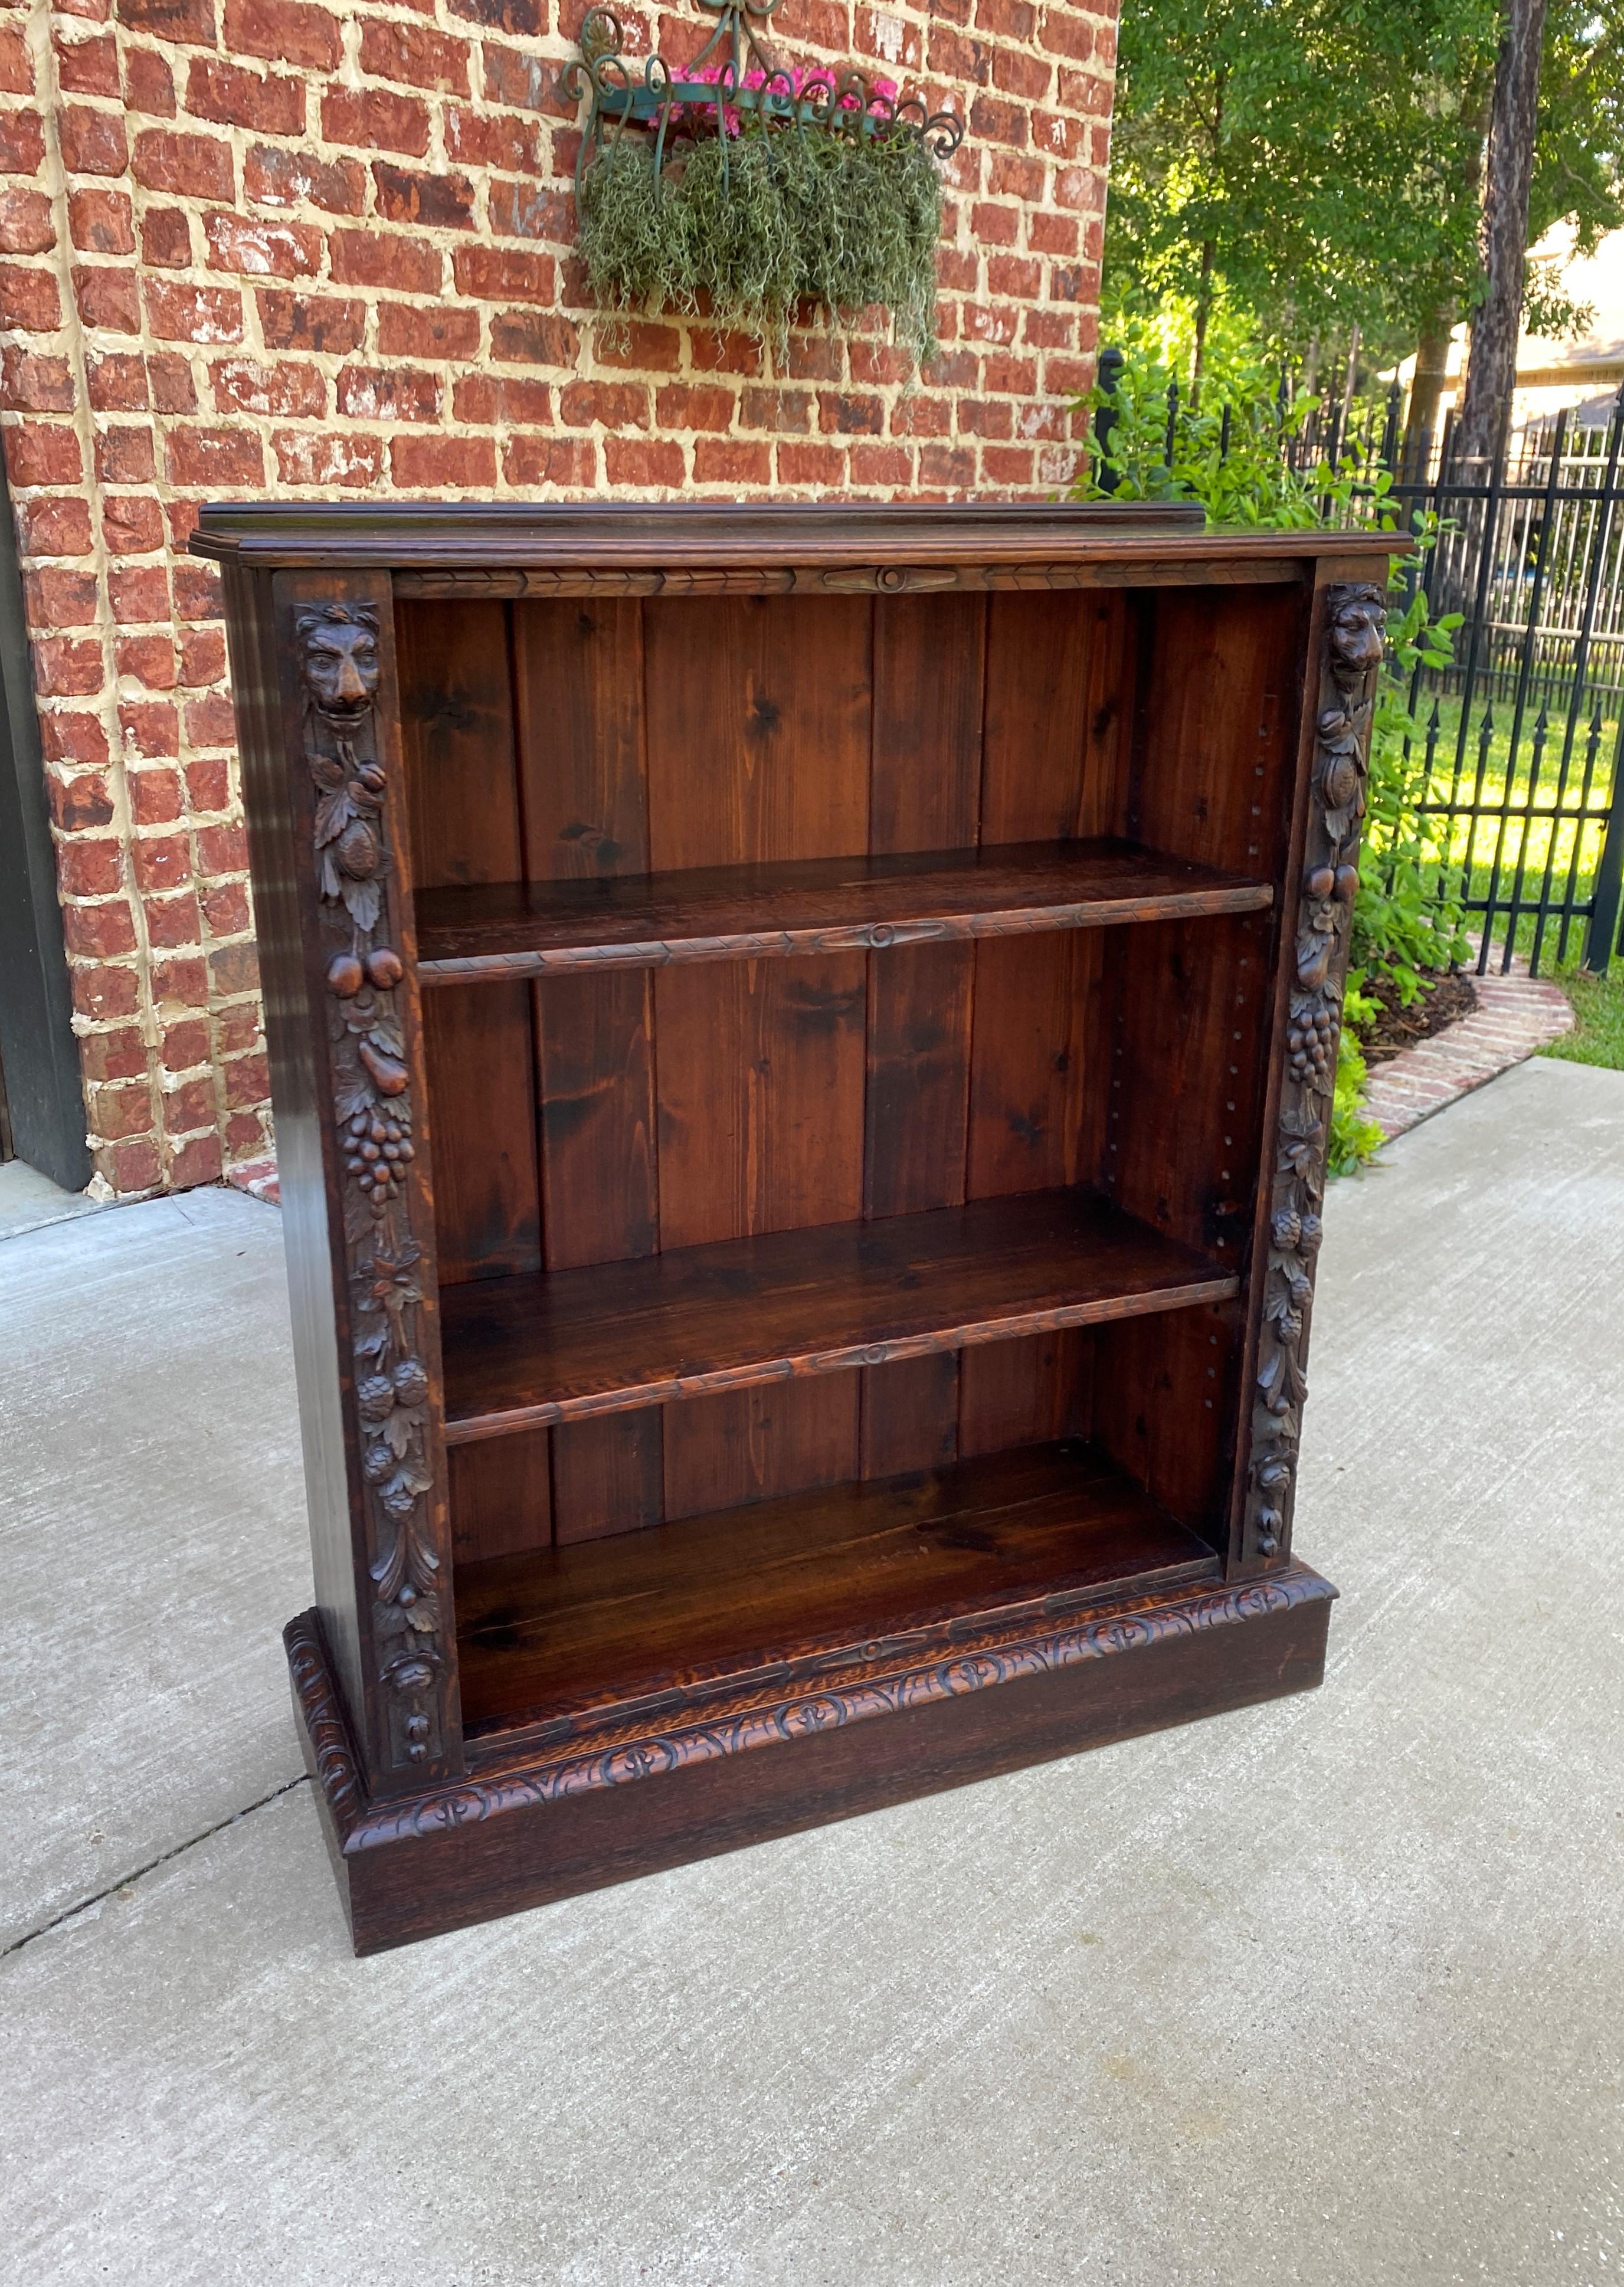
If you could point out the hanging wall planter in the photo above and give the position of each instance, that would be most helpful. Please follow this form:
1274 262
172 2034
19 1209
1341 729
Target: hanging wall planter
750 187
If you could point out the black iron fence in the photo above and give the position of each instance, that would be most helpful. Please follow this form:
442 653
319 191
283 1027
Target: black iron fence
1523 735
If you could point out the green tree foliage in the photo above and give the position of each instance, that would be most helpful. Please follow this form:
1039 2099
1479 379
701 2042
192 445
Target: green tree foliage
1312 164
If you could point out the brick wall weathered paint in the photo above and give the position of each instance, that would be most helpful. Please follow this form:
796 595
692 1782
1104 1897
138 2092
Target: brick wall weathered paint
268 246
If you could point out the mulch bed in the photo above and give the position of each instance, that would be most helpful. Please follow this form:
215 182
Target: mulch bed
1399 1028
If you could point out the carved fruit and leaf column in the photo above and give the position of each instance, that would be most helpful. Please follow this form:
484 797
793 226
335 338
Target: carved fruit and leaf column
1355 623
372 1109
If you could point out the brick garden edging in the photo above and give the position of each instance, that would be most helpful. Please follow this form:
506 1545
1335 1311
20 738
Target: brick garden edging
1515 1015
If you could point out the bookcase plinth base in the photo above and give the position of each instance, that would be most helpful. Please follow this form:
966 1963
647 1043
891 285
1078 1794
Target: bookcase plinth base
520 1833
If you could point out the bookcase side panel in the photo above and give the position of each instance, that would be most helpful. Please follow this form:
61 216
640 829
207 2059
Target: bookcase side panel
289 978
349 849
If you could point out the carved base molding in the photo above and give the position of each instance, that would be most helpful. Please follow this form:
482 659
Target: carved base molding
613 1809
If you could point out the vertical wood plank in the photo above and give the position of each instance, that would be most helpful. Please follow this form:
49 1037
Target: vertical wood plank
1035 1095
1165 1408
1109 697
918 1050
930 668
910 1414
758 728
760 741
930 659
1037 692
1190 1056
579 671
749 1445
477 1050
501 1496
1025 1392
760 1092
1216 773
607 1476
457 741
598 1117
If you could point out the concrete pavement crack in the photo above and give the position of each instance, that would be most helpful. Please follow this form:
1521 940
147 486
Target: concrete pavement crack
138 1873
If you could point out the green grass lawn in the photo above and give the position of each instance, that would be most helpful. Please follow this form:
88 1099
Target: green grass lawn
1599 1004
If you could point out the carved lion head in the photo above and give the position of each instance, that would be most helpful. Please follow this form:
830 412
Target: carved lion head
1359 623
340 659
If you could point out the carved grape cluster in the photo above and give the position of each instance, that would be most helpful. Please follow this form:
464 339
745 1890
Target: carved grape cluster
376 1150
1312 1044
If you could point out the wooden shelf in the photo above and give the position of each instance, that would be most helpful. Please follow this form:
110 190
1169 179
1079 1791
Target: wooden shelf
523 1352
694 1612
825 904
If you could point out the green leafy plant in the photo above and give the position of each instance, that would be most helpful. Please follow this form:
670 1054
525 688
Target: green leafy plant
1229 454
1405 926
754 225
1354 1137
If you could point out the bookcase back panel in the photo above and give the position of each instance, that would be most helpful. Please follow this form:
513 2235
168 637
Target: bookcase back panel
1164 1392
603 1116
1191 1044
1213 766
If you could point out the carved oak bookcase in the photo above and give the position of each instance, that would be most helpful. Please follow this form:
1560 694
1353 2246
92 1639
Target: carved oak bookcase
803 1041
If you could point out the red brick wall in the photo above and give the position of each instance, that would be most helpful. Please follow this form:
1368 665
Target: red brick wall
269 246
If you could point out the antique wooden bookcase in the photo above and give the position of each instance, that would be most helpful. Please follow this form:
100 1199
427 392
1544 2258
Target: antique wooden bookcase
801 1041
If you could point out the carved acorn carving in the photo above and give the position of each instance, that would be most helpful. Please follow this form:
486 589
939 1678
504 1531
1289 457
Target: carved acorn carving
344 975
385 968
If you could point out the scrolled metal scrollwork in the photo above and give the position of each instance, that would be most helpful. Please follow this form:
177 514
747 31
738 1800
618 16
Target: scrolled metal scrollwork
746 82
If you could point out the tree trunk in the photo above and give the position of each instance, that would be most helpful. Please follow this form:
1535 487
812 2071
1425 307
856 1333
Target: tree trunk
1203 313
1426 389
1491 375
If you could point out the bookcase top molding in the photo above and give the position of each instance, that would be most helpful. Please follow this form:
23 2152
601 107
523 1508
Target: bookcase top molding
517 547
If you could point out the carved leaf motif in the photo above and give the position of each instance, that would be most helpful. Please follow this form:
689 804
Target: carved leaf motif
334 812
363 899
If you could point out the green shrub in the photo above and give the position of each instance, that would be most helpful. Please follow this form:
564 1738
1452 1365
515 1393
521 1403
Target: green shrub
756 224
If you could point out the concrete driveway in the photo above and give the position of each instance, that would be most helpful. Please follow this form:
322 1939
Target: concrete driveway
1328 1993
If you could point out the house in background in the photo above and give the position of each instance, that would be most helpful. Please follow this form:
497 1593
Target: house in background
1582 373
